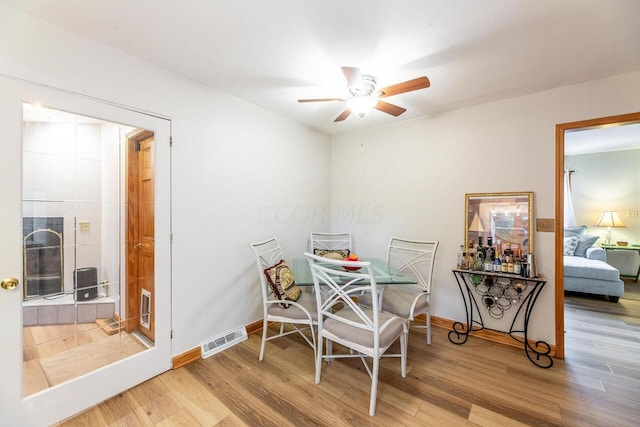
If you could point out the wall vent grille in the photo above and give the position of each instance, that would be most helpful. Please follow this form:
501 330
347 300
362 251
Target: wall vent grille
223 342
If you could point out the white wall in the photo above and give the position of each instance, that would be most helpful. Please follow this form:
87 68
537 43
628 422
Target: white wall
414 176
609 181
240 173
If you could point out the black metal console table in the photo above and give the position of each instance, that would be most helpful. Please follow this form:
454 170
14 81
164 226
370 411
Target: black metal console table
497 294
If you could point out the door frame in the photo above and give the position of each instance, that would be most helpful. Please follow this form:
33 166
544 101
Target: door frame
66 399
559 237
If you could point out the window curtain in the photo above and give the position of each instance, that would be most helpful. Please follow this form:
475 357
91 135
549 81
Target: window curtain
569 213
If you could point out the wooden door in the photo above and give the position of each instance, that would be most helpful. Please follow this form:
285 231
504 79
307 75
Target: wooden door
146 220
141 234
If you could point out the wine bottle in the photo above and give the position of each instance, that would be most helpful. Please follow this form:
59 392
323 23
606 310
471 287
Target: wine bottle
488 262
517 266
497 264
508 250
479 261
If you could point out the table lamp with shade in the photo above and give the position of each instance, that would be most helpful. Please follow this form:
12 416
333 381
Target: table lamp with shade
609 219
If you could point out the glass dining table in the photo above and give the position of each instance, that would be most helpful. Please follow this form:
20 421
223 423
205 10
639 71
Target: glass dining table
384 274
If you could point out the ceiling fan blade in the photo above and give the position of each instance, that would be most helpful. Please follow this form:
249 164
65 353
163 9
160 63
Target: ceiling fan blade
343 115
385 107
319 99
352 74
408 86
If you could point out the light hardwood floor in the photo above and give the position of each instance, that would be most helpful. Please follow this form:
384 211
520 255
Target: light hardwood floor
479 383
53 354
603 338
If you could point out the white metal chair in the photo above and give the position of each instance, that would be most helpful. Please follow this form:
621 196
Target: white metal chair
329 243
368 332
301 314
413 258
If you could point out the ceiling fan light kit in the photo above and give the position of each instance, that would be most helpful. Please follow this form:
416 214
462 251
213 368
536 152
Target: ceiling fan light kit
364 98
362 105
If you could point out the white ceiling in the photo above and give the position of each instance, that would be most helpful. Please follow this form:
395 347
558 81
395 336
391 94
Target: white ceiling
605 138
271 53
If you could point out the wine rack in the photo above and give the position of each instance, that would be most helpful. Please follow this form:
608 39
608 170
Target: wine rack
500 295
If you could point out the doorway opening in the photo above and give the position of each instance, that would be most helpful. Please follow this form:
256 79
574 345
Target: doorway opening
561 131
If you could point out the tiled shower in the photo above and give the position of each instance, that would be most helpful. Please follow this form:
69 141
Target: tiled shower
73 186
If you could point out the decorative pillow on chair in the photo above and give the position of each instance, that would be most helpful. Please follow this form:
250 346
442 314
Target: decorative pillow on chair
281 280
570 244
584 243
332 253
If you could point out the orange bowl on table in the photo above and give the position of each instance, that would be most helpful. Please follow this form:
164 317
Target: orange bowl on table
351 257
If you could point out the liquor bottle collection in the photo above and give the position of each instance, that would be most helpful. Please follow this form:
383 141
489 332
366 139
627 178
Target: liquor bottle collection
498 258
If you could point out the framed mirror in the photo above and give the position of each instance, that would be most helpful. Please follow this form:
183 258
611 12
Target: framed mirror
88 245
506 218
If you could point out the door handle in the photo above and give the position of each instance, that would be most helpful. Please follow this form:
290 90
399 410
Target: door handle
138 245
10 283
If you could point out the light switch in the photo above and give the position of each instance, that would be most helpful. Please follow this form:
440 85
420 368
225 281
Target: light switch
632 214
84 225
545 224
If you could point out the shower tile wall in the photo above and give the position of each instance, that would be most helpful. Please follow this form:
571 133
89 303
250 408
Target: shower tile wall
69 170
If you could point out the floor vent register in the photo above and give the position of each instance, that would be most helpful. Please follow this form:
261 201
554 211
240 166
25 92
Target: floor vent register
223 342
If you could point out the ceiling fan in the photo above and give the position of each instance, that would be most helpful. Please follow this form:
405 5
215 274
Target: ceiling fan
363 96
